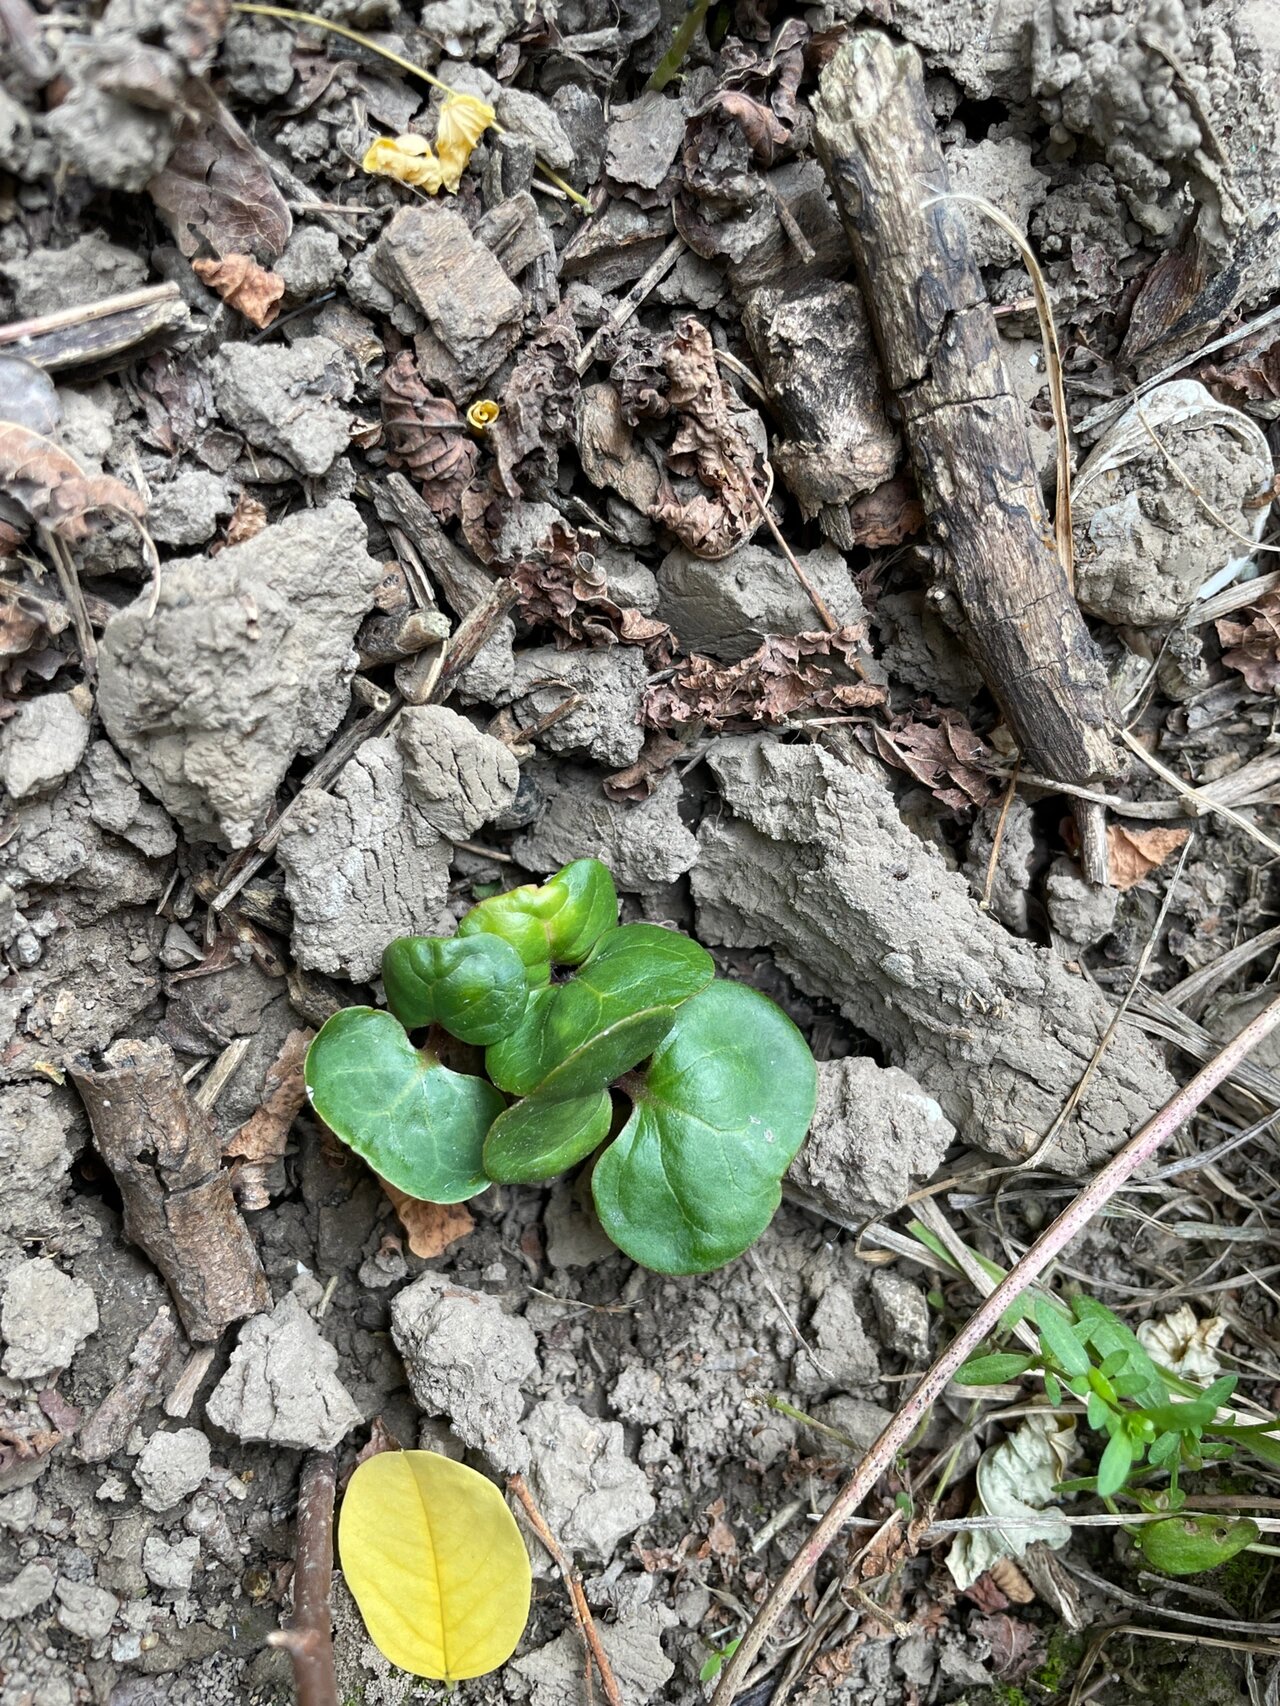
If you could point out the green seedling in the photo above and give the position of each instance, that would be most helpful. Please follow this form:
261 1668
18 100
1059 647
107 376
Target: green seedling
575 1012
1157 1427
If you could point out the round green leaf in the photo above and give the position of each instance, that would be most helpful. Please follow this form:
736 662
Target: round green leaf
1185 1545
536 1139
419 1125
578 1036
695 1175
475 988
553 923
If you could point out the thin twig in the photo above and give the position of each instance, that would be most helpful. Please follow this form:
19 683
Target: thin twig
648 281
309 1638
815 597
993 863
1189 485
581 1610
1090 1201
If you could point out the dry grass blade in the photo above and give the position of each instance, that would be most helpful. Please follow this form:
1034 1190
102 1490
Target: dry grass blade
1053 365
1203 802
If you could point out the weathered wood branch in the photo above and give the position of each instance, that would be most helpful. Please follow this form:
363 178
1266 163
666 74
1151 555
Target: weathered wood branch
166 1158
964 424
100 336
309 1638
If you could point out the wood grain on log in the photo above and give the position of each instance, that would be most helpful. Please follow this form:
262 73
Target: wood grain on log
166 1158
964 424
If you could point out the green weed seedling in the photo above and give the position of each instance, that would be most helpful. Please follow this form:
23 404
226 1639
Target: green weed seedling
1157 1427
571 1010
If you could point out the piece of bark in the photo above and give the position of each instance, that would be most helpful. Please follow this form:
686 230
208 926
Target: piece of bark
963 420
462 580
815 354
166 1157
183 1391
102 335
110 1425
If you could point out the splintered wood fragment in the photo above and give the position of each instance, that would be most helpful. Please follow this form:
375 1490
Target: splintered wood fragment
99 333
166 1158
108 1428
462 580
964 424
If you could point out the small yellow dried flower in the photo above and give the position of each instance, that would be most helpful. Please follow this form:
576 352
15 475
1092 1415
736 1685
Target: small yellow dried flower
482 414
411 159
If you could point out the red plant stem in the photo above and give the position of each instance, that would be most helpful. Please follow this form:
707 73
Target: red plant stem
1051 1242
577 1598
309 1638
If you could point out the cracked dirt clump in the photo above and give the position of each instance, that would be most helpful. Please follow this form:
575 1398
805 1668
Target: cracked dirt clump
282 1386
245 664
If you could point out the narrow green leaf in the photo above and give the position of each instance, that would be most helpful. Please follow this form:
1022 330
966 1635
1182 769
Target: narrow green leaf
993 1370
1164 1449
1052 1389
537 1138
415 1122
1096 1411
695 1175
1187 1545
1261 1439
1060 1341
1117 1460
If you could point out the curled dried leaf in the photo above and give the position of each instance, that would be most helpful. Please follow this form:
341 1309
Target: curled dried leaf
785 676
540 409
260 1141
1251 643
51 486
944 754
243 285
640 779
563 586
426 434
217 188
408 159
411 159
431 1227
1133 854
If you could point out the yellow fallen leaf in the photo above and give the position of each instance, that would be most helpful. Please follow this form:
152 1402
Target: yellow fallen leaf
462 122
436 1564
409 159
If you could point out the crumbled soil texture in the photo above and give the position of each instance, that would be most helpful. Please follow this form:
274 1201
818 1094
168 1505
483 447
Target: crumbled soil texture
295 659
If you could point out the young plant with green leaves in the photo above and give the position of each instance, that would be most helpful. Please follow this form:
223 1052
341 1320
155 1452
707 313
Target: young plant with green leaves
576 1015
1158 1426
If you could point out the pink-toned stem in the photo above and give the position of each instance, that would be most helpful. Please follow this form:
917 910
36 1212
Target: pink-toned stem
1122 1165
309 1638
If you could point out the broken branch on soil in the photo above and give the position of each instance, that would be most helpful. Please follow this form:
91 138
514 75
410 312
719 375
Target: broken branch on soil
97 332
308 1640
965 425
980 1325
577 1598
166 1158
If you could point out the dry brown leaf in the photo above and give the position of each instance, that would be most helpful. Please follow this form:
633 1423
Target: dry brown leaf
640 779
946 756
427 435
248 519
260 1141
431 1227
217 190
53 488
887 515
540 409
714 445
562 585
1252 643
786 674
243 285
1134 853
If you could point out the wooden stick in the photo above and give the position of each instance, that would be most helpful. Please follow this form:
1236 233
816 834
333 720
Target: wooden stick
309 1638
99 331
581 1610
965 426
1079 1212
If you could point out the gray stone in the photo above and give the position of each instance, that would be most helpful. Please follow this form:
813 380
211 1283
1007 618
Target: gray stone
362 864
644 138
26 1593
286 398
583 1481
529 116
459 777
605 724
634 1646
467 1360
902 1312
859 1418
1078 912
34 1158
171 1466
186 510
244 665
86 1610
41 744
312 261
1001 173
111 141
171 1567
282 1385
83 272
727 608
812 859
45 1318
875 1136
844 1355
645 843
